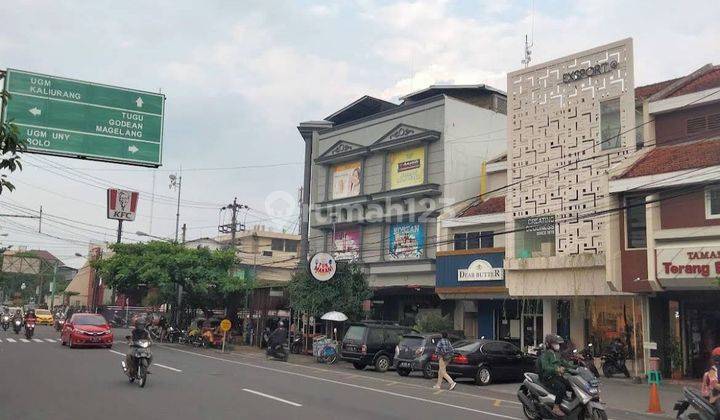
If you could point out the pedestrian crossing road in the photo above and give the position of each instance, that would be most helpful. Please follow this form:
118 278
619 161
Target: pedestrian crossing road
25 340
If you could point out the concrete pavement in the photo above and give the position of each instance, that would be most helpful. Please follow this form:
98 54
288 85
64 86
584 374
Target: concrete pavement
42 379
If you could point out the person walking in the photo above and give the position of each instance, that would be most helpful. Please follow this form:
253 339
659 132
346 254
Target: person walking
445 353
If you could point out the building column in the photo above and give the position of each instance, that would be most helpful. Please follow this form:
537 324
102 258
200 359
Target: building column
577 323
459 316
549 317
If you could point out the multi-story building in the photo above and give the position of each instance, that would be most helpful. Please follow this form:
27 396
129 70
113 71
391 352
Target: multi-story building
381 173
569 121
669 231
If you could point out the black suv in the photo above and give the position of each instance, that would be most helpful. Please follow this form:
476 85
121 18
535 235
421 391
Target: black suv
372 343
414 352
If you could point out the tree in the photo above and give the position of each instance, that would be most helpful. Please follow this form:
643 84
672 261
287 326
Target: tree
432 322
11 146
345 292
134 269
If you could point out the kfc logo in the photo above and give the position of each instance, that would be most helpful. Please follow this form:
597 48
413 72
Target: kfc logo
121 204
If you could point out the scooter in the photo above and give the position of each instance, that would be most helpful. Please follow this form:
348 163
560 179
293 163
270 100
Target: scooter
585 359
538 401
176 335
296 347
613 362
278 352
29 330
703 409
59 324
17 326
142 358
5 322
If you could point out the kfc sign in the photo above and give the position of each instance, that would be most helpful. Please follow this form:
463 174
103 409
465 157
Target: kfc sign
121 204
688 263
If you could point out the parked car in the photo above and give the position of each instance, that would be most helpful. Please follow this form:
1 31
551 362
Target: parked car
44 317
86 329
413 353
372 343
487 361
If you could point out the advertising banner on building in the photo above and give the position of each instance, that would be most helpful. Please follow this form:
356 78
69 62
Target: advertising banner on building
688 263
407 168
346 180
407 241
346 244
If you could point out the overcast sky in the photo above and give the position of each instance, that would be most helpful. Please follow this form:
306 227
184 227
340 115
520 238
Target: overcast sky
240 75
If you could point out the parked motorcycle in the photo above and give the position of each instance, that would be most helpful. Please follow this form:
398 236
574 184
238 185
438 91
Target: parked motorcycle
278 351
296 345
585 359
17 326
538 401
29 329
142 358
703 409
5 322
613 362
176 335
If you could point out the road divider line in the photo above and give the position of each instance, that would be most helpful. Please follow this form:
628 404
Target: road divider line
24 340
117 352
10 340
365 388
168 368
37 340
294 404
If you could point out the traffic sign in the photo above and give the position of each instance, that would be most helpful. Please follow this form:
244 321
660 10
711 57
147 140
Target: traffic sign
225 325
72 118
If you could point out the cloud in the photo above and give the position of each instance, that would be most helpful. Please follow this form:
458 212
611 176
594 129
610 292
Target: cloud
323 10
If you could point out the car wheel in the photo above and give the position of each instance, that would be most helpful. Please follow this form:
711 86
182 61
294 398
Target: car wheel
428 372
382 363
404 372
484 376
109 346
358 366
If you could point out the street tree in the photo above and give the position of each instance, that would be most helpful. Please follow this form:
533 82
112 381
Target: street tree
11 147
345 292
135 269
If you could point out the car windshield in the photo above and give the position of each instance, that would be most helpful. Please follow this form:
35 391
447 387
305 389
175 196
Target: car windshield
88 320
355 333
412 342
42 312
468 347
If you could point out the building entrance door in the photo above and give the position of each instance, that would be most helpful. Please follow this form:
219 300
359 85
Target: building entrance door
532 330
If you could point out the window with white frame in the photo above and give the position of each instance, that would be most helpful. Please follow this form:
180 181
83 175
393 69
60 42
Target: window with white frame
712 202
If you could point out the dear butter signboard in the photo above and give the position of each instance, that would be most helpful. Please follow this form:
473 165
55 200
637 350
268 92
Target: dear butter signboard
73 118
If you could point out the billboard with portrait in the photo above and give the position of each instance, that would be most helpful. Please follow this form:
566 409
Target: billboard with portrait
346 180
406 241
346 244
407 168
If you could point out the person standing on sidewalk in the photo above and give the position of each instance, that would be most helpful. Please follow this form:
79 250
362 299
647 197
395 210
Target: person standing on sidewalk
445 353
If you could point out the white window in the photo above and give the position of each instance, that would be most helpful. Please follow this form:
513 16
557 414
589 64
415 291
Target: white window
712 203
610 124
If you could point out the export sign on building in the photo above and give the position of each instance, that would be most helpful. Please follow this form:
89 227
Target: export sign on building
73 118
699 262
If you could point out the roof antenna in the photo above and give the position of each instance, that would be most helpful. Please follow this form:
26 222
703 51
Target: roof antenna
529 45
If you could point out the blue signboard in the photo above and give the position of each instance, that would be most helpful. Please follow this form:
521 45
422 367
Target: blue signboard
464 270
406 241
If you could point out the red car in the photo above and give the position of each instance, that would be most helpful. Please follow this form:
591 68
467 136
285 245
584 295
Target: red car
86 330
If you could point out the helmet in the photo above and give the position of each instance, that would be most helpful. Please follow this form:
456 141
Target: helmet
140 323
281 324
551 339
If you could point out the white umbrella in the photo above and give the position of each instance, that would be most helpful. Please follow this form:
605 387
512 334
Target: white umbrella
334 316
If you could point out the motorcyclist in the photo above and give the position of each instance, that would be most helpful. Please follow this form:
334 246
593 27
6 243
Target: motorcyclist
30 317
18 315
278 337
138 333
552 367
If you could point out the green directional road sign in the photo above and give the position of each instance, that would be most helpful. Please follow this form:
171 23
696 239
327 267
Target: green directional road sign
73 118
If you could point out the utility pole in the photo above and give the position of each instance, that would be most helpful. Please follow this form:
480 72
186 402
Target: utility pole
234 227
184 231
176 182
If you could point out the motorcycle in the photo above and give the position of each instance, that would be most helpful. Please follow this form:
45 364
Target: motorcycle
5 322
296 347
17 326
613 362
59 324
29 329
538 401
585 359
703 409
176 335
278 352
142 358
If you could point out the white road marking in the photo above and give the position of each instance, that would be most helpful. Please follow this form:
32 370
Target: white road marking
10 340
24 340
51 340
117 352
168 367
294 404
365 388
37 340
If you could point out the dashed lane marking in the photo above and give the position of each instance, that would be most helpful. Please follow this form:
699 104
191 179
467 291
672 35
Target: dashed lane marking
10 340
168 368
24 340
272 397
50 340
37 340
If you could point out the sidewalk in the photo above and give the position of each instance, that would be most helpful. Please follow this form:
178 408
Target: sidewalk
617 393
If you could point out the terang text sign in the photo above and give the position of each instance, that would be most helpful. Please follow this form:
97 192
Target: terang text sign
73 118
688 263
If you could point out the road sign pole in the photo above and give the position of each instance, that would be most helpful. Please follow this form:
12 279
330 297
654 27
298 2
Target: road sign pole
119 232
53 285
224 338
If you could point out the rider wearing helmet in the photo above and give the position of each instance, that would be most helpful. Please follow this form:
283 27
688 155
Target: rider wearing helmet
30 316
278 337
139 332
552 367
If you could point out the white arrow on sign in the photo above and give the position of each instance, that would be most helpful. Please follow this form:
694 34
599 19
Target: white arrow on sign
133 149
35 111
139 102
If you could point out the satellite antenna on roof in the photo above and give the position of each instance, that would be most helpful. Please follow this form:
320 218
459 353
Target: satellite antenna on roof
528 52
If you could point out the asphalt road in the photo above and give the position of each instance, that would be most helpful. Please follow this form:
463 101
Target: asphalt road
41 379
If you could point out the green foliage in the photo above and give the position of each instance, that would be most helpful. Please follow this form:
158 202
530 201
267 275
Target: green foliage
11 146
134 269
433 322
345 292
